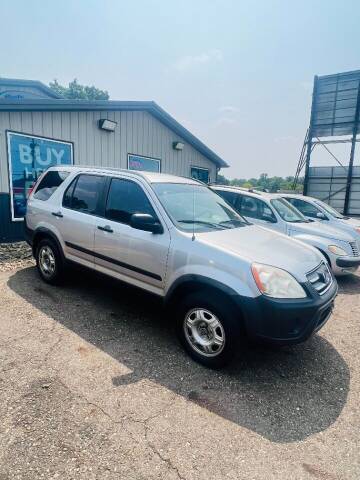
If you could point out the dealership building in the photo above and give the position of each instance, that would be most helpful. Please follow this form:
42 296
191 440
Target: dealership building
39 129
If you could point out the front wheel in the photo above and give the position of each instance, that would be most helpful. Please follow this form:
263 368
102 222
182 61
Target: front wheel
209 328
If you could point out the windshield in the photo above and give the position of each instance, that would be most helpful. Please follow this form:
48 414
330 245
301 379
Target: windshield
196 208
329 209
287 212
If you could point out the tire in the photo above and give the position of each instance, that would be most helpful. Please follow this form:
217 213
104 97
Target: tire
49 262
209 328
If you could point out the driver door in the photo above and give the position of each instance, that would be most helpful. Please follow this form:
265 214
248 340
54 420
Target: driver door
135 256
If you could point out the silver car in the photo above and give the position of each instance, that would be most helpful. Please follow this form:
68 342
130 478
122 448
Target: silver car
220 278
340 248
313 208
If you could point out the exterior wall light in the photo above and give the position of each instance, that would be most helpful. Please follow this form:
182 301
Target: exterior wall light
178 145
107 125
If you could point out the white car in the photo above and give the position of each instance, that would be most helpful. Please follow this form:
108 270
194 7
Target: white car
270 210
314 208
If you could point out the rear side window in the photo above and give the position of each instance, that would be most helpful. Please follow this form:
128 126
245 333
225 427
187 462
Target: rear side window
125 198
83 193
49 183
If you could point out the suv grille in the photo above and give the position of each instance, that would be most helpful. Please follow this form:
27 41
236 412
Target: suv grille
354 249
320 278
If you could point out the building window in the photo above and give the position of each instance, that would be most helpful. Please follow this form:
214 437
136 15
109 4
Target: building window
146 164
28 157
201 174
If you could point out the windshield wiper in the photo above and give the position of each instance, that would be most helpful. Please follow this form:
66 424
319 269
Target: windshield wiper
235 221
201 222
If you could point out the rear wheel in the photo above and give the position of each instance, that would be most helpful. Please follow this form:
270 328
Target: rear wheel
49 262
209 328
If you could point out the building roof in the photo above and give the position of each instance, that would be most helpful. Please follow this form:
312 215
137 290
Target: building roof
35 84
59 104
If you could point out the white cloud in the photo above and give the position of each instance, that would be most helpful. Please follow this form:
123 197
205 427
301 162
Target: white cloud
189 62
229 116
226 121
229 109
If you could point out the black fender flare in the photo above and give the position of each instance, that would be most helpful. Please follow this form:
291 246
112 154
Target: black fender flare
194 281
43 232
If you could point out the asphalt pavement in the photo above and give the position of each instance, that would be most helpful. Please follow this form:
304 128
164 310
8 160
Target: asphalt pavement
93 385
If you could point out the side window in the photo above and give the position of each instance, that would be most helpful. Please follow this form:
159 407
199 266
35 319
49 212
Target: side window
83 194
230 197
49 183
305 208
256 208
125 198
67 198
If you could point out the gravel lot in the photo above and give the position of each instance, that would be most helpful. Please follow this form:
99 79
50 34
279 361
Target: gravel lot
94 386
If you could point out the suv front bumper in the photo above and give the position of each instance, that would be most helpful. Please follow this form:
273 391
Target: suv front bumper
348 262
287 321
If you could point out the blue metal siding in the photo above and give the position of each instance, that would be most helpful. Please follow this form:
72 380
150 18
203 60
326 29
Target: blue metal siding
9 231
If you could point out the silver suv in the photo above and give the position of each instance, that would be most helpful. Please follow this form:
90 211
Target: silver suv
220 277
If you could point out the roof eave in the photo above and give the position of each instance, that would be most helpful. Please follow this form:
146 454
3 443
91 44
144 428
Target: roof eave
17 82
85 105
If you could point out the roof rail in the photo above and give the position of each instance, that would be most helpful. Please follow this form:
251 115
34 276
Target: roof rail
236 187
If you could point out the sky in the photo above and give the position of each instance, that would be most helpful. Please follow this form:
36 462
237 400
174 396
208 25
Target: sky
237 74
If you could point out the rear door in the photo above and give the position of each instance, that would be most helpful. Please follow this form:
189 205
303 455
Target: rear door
78 217
132 255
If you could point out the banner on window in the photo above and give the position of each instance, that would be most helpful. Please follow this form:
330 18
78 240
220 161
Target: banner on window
147 164
28 157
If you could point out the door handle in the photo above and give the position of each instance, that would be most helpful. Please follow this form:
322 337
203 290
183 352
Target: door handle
107 228
57 214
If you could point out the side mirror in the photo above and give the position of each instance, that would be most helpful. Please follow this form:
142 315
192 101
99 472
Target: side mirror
321 216
146 222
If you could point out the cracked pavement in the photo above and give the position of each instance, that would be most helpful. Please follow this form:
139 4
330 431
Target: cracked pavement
93 385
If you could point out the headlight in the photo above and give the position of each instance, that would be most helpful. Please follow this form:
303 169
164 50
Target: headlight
340 252
275 282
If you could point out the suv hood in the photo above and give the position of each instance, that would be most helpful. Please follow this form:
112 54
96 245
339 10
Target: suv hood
319 230
258 244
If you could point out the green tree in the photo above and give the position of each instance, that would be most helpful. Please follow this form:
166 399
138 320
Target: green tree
272 184
76 91
221 180
237 182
